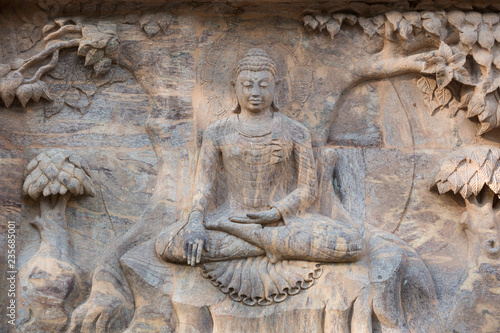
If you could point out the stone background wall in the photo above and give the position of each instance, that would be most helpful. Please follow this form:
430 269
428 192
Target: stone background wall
127 121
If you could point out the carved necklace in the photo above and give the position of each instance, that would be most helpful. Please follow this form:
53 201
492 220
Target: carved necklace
255 133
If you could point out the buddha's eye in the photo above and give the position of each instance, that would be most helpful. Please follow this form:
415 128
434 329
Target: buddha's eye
247 84
264 84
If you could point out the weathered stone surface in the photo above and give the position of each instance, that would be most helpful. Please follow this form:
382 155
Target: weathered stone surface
136 84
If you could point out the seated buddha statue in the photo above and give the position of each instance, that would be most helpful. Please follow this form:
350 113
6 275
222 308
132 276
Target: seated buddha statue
271 176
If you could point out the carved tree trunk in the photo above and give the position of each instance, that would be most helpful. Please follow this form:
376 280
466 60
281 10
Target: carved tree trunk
50 279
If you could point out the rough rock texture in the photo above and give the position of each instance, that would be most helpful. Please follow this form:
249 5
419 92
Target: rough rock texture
141 112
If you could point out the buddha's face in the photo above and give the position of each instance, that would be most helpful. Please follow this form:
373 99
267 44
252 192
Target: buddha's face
255 90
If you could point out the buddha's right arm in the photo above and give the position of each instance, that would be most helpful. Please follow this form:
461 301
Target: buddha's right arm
205 173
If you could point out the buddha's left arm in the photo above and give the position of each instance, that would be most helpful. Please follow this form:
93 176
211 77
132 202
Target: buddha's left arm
305 193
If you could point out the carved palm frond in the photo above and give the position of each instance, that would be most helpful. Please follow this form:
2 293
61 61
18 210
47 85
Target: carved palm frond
467 170
57 172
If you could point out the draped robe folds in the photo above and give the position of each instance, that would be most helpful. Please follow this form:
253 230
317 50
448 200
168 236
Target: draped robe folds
263 170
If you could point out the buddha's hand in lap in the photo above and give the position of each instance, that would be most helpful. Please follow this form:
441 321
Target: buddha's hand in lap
264 217
195 239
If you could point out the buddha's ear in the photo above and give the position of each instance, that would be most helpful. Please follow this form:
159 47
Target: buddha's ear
234 104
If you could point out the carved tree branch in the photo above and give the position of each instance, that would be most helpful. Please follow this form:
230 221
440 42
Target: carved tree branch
44 69
49 50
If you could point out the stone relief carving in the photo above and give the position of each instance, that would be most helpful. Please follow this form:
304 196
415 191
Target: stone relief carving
466 84
51 278
98 44
473 173
259 253
273 261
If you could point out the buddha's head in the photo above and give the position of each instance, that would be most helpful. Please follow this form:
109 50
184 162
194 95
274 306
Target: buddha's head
255 81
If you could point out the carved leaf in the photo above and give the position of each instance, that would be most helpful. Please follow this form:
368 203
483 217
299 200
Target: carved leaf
445 171
394 17
434 64
490 118
485 37
496 33
462 76
457 60
24 93
443 96
405 29
8 86
444 76
456 183
468 36
477 156
445 51
490 19
339 18
456 19
427 85
431 23
483 57
322 19
476 104
368 27
486 170
333 28
444 187
351 19
473 18
494 183
93 56
413 18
